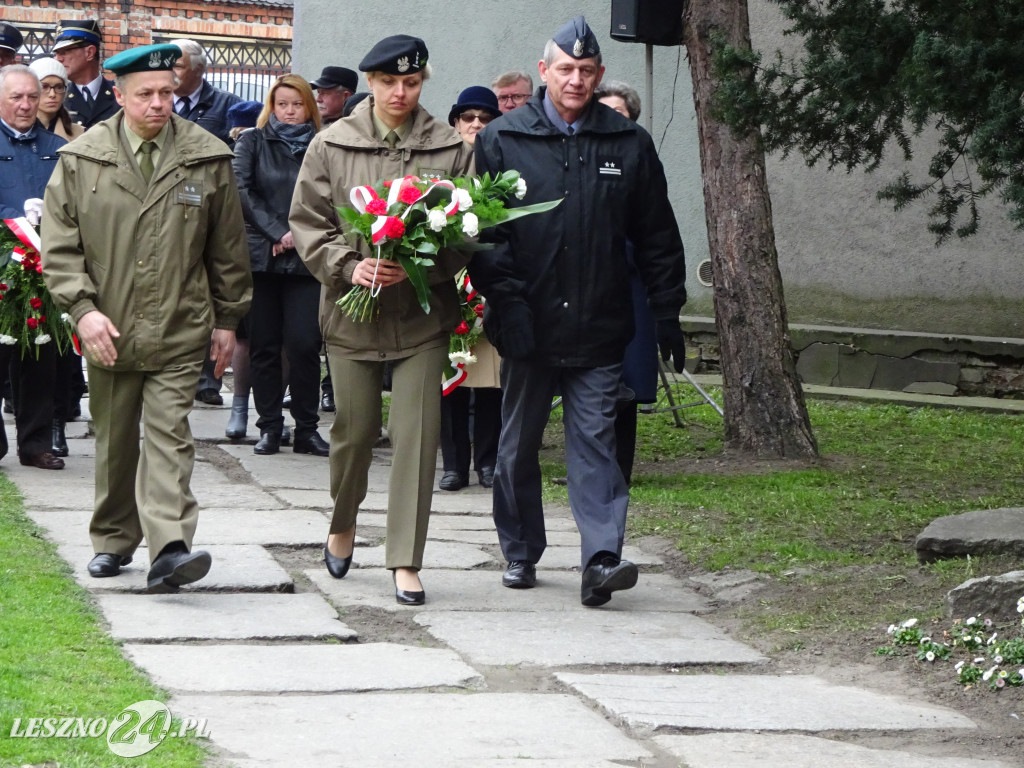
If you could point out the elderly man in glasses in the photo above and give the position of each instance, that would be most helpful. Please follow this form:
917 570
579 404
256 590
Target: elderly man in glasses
512 89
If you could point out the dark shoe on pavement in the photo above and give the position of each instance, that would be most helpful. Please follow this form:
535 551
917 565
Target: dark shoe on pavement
520 574
606 575
175 567
60 440
337 566
286 435
453 481
269 444
44 460
105 564
486 475
313 444
327 401
209 396
408 596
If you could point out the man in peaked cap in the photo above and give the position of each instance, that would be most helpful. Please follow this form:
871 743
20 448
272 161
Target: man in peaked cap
333 88
146 296
10 41
90 98
559 309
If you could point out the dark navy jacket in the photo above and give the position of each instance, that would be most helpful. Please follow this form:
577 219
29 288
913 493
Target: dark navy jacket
103 107
211 112
569 265
25 167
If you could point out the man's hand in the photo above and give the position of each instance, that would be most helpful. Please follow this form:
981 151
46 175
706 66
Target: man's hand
388 272
222 346
516 324
672 343
96 334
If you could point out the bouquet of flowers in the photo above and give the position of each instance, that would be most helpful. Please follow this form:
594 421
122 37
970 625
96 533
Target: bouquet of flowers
28 316
410 219
465 335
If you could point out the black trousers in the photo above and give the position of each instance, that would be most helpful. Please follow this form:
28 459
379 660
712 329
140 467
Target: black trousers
284 317
69 385
33 383
484 405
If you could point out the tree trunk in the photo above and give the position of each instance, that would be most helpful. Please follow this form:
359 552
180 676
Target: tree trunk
765 413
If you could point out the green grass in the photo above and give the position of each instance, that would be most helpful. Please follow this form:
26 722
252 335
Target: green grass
56 659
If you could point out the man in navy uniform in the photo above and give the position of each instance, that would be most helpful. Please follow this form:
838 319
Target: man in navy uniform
10 41
90 98
559 306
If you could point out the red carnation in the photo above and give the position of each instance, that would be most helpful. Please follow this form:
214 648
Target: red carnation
35 302
3 286
409 195
377 207
462 329
32 323
42 318
387 184
394 228
479 309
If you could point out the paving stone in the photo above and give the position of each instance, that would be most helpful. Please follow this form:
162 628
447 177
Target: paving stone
482 591
394 729
565 558
746 750
321 668
235 616
319 498
553 639
754 702
555 538
282 470
290 527
438 554
235 567
981 532
992 596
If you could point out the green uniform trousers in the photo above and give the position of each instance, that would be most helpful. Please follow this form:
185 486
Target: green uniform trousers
414 426
143 490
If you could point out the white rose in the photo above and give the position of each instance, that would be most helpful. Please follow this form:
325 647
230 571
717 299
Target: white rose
8 340
464 199
436 219
521 188
470 225
42 338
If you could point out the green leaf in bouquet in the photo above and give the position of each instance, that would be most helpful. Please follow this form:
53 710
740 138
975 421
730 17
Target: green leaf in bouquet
418 278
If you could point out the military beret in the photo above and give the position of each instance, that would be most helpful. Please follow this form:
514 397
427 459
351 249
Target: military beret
333 77
71 33
244 114
577 39
10 37
146 58
396 55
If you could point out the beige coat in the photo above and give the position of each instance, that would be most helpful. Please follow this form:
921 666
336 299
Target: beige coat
348 154
167 263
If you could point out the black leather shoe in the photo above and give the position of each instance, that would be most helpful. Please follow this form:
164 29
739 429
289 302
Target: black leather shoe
604 576
177 567
453 481
105 564
269 444
407 596
44 460
313 444
60 441
209 396
327 402
286 435
520 574
337 566
486 475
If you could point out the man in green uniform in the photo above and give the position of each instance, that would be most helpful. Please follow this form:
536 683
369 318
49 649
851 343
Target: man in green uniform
144 246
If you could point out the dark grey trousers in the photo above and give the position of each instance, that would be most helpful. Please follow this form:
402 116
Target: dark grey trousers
598 494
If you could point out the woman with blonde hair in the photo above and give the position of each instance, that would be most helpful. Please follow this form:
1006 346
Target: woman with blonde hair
51 111
285 295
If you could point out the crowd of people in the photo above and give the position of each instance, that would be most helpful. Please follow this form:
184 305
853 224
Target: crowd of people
229 251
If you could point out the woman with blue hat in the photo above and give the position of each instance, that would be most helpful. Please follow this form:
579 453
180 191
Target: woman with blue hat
388 136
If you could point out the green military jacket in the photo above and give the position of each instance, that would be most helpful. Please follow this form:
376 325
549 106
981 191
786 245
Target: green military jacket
166 263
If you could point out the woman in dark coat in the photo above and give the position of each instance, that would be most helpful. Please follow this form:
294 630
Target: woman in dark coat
286 296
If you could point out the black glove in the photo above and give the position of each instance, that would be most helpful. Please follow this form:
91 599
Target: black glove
672 343
515 338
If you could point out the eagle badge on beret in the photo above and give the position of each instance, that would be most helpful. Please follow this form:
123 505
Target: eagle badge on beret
403 64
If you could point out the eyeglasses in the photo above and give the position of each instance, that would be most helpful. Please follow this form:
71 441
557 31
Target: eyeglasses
59 89
515 98
469 117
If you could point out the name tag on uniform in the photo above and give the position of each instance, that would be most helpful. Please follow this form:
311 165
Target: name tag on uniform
190 193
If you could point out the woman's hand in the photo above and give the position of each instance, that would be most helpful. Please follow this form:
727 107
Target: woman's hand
286 243
388 273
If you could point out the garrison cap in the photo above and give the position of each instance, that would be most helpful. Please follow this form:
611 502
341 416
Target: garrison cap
71 33
577 39
146 58
396 55
10 37
333 77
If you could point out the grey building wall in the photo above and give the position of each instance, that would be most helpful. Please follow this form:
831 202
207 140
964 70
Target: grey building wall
846 259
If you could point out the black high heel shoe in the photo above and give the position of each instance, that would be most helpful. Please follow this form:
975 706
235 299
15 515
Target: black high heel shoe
337 566
408 597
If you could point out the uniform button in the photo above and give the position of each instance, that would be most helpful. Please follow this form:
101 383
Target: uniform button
140 364
565 304
140 315
140 262
383 355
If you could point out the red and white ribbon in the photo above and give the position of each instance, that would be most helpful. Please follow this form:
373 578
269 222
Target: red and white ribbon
450 384
27 234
